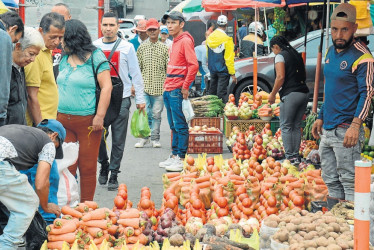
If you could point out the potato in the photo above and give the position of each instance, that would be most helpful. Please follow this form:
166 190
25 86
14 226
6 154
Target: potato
311 248
351 244
302 233
296 221
271 223
273 217
176 240
309 236
319 213
310 243
330 229
343 243
336 227
295 246
322 232
311 227
291 227
282 235
330 219
321 248
304 212
322 241
331 240
282 224
297 215
334 235
334 247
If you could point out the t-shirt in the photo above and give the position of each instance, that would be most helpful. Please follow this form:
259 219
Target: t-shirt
25 146
40 74
348 85
77 85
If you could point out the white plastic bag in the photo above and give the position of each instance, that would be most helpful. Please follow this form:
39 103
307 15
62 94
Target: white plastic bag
187 110
68 186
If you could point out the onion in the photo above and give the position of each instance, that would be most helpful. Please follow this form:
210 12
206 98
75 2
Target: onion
166 223
150 238
170 213
161 231
158 238
147 231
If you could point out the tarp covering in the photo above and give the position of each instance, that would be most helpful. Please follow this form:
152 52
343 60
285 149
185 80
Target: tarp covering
193 6
216 5
10 3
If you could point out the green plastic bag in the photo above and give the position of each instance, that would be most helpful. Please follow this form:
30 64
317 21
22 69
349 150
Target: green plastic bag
139 125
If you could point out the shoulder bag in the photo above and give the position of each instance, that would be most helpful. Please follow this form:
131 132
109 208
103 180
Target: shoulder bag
117 91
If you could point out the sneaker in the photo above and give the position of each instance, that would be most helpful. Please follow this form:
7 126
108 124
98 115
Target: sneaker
177 166
142 142
156 144
168 162
104 172
113 182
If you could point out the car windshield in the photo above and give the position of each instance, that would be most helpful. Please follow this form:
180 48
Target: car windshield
126 25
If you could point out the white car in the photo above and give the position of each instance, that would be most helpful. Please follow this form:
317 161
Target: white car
126 27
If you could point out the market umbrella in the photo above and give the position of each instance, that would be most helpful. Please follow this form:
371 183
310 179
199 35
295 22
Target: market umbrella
10 3
193 6
180 6
3 8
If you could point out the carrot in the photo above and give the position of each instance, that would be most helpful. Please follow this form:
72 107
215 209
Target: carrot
133 239
143 239
130 213
99 240
137 232
223 181
174 179
272 179
55 244
203 179
319 188
95 232
103 224
67 217
91 204
295 184
236 177
237 182
113 229
288 178
68 227
81 207
113 219
133 222
68 237
98 214
66 210
129 231
171 175
319 181
314 173
203 184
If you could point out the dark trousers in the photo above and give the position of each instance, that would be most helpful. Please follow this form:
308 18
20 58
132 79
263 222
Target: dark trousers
218 85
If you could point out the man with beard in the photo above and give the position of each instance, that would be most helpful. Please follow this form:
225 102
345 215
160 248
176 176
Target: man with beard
349 72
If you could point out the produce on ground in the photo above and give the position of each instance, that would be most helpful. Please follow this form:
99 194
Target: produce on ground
207 106
344 210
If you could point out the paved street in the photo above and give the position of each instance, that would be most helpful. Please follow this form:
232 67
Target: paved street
140 167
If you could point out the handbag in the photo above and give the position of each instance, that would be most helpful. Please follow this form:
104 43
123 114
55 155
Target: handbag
117 91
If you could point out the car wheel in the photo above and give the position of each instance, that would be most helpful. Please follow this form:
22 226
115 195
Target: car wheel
247 86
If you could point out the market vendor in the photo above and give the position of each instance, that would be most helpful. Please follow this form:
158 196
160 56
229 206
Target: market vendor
349 76
20 148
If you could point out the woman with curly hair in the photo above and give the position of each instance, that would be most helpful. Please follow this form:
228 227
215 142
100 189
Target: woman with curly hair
77 101
290 82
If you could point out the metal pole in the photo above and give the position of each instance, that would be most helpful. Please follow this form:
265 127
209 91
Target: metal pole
266 28
100 10
255 58
303 54
21 5
327 26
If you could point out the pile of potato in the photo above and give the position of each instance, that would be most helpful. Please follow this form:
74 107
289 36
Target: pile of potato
300 229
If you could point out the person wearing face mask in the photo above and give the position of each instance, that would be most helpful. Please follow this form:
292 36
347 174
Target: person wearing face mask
24 53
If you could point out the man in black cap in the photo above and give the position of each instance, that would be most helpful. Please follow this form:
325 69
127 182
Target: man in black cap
21 147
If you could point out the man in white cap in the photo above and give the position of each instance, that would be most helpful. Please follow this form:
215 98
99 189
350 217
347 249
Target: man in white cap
220 59
141 34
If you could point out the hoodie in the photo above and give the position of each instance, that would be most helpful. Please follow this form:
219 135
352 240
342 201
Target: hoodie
221 55
183 65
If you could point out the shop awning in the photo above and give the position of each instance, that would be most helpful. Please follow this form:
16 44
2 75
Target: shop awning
193 6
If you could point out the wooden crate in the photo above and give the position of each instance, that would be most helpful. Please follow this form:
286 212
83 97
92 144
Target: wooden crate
210 143
243 125
208 121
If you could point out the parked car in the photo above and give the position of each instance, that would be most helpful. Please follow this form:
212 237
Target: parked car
265 66
126 27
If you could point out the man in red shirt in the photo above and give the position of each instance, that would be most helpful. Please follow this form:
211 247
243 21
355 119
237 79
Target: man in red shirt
181 72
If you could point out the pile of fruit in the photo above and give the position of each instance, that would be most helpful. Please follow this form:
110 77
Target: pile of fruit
203 129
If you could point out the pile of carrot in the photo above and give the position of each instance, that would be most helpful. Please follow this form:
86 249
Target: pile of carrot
265 110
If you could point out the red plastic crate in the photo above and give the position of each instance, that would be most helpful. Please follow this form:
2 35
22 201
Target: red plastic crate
208 121
210 143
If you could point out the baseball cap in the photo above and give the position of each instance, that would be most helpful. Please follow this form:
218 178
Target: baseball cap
174 15
141 26
222 20
164 30
152 24
55 126
348 11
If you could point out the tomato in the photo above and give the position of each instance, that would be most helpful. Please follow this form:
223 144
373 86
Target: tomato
267 125
240 190
122 193
284 170
260 177
146 193
271 210
174 199
232 99
197 204
215 169
222 202
210 160
259 169
247 211
170 204
272 201
247 202
209 168
190 160
252 128
119 202
196 213
246 156
240 152
286 201
243 196
259 140
145 203
298 200
222 212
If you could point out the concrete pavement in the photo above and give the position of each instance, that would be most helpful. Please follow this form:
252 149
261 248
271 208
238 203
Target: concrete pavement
140 168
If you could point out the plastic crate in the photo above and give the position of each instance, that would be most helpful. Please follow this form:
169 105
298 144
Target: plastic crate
210 143
318 206
274 125
208 121
243 125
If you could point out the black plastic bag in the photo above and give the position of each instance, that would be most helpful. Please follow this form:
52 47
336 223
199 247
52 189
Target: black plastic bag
37 233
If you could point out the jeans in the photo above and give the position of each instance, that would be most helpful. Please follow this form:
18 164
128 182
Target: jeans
338 162
177 122
19 198
218 85
203 73
119 132
292 109
154 106
77 129
54 179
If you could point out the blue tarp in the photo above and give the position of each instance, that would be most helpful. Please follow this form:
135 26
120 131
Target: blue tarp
307 1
